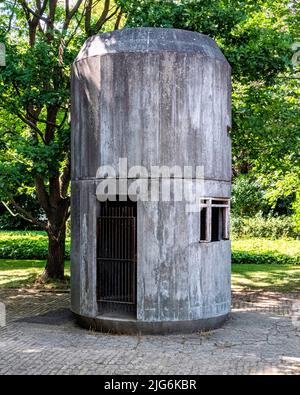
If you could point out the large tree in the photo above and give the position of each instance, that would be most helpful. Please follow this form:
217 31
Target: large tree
42 38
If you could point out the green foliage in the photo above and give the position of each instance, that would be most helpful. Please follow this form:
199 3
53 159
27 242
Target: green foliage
296 216
262 251
26 245
266 126
33 245
259 226
42 41
16 222
32 79
9 222
282 189
249 32
247 197
256 37
253 258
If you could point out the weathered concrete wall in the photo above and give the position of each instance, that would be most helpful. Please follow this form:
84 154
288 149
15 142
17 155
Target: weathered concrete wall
163 103
156 97
179 278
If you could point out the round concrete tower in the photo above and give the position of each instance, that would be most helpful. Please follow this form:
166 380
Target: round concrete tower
151 110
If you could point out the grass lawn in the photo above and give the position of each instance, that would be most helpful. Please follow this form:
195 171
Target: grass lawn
288 247
23 273
270 265
273 278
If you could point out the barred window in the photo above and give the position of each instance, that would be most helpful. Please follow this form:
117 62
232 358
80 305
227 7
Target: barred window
214 219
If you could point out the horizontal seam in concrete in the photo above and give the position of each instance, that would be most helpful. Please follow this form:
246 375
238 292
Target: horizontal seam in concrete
155 51
150 178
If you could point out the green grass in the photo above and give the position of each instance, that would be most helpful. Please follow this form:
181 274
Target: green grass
271 278
258 264
286 247
33 245
265 251
285 278
24 274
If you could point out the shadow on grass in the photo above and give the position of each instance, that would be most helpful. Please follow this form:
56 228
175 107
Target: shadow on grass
26 274
15 264
266 278
18 281
32 280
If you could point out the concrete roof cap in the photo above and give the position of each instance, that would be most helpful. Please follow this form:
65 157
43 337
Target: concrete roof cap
150 40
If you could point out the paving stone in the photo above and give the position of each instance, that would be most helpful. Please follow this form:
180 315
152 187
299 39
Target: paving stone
42 338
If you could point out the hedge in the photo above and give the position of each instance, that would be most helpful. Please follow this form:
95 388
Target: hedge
266 251
26 245
268 227
33 245
263 259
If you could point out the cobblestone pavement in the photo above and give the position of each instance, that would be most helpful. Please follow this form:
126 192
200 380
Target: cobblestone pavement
261 337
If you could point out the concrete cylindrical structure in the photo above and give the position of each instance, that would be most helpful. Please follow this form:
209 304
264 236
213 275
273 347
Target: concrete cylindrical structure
157 97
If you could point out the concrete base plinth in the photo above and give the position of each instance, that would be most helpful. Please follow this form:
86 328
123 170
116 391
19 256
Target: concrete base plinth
135 327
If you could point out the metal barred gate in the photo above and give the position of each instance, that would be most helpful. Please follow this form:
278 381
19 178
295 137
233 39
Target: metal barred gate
117 258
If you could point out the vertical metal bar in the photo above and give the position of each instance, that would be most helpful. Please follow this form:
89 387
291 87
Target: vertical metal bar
116 257
130 257
99 236
109 250
120 284
106 262
126 256
133 255
119 279
208 220
226 222
115 262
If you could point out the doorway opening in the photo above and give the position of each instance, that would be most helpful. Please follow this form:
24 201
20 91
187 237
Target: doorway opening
117 258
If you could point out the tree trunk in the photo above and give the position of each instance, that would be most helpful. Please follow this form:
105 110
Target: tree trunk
56 253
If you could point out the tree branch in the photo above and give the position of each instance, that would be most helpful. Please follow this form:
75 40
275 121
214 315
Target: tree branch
65 177
31 125
43 121
24 214
103 16
88 16
52 112
70 14
118 21
111 15
51 17
54 191
34 13
41 192
11 17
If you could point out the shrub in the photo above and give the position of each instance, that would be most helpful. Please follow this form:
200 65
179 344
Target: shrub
264 259
26 245
33 245
247 197
264 251
259 226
